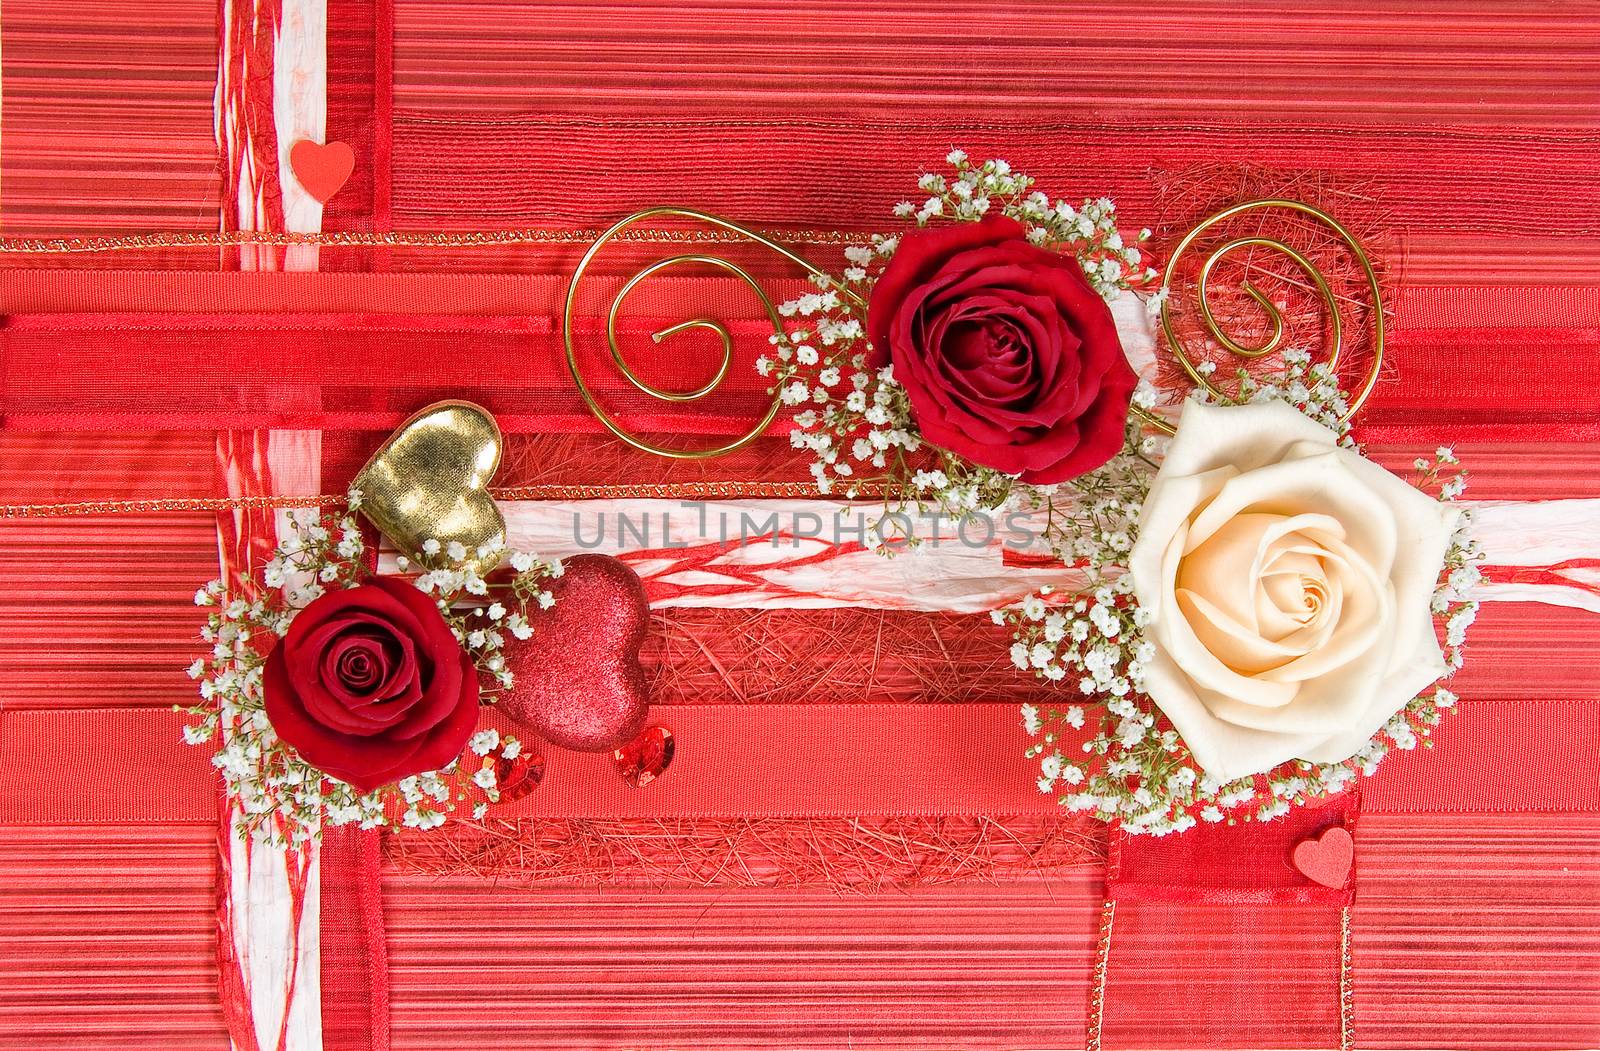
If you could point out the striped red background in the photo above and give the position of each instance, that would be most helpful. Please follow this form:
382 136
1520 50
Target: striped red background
1474 125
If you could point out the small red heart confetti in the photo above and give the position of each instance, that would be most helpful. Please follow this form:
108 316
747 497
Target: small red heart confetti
646 757
1327 858
579 683
321 168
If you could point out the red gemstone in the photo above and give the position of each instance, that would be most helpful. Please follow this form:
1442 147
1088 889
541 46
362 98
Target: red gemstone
646 757
515 778
520 776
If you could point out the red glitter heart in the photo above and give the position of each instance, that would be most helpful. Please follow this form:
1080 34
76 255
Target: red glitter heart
646 757
578 680
1327 859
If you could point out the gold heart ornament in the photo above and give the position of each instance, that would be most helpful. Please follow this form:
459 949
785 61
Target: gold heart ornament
430 481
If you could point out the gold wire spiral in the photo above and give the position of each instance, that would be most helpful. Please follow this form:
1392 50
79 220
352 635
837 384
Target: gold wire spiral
1274 315
708 324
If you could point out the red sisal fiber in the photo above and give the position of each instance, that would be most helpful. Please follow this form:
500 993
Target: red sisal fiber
846 854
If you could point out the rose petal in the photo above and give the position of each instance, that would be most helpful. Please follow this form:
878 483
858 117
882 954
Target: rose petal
1411 672
1322 705
326 700
444 740
1223 750
358 663
915 258
1226 567
957 316
1238 646
1175 635
1096 437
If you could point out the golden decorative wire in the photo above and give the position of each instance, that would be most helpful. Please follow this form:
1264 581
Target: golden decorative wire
1347 990
689 490
1097 980
1174 343
1274 315
628 372
382 239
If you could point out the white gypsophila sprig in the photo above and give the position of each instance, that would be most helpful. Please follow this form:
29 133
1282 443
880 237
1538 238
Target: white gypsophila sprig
477 609
1087 230
1311 387
856 422
1093 520
281 799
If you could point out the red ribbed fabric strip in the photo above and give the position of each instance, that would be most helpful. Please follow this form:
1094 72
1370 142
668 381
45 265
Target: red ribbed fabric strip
800 760
355 958
1470 931
988 967
369 371
108 121
108 937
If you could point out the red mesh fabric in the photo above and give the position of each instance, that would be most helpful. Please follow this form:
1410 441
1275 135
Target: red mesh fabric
1244 864
1223 912
355 961
1211 976
369 370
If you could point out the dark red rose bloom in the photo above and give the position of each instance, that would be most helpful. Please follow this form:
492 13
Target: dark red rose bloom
1010 358
370 685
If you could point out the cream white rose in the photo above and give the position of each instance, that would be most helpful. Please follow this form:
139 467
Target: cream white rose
1291 582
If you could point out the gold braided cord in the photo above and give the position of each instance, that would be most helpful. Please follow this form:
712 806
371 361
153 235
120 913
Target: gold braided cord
1347 990
700 490
1213 327
1097 980
387 239
730 228
160 505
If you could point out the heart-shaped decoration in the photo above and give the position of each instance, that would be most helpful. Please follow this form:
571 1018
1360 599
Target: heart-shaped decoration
646 757
322 169
579 683
430 481
515 778
1327 858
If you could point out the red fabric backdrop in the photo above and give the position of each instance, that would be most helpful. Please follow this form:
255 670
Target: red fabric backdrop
1475 129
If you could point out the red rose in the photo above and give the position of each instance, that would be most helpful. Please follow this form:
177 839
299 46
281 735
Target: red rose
370 685
1009 357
